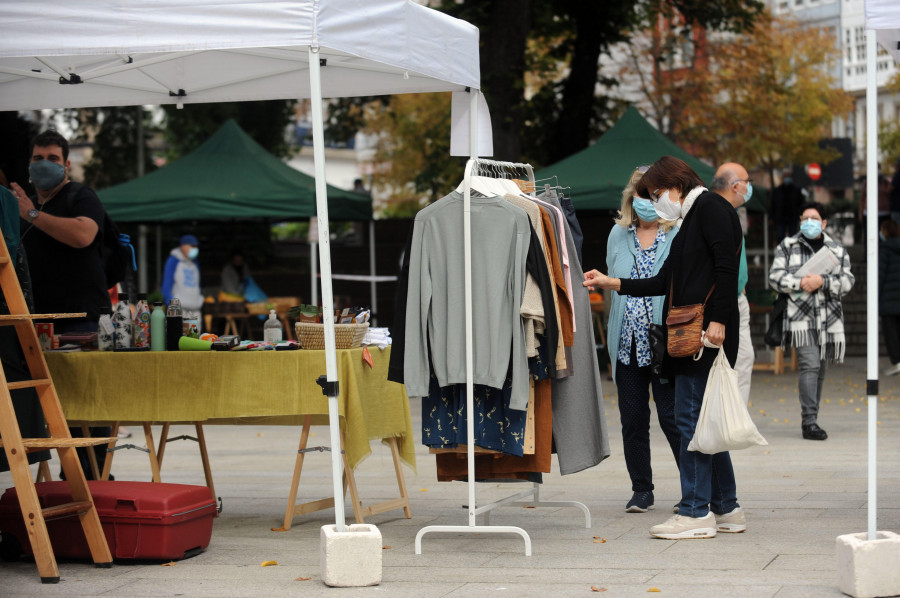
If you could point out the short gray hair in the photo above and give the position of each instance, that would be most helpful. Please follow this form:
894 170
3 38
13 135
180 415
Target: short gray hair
719 183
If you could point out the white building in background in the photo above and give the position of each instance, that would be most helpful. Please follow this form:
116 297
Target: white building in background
845 19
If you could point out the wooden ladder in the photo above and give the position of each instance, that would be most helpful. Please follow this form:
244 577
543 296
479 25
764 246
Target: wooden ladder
60 439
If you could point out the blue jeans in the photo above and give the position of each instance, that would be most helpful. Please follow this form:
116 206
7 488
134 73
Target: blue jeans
707 481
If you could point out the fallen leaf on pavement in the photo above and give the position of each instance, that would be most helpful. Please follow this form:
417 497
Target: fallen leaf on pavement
279 529
596 589
268 563
303 579
169 564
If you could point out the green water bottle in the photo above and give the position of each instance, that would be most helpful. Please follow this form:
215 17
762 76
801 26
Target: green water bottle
158 327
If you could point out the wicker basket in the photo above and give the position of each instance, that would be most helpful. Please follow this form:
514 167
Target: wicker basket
346 336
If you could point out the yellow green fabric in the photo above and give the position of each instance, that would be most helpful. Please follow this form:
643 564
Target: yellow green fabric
237 387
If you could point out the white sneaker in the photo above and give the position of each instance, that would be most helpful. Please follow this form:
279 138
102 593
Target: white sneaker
681 527
733 522
893 370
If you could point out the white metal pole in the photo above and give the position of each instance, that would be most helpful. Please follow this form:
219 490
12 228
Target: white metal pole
467 245
872 274
372 284
315 88
313 274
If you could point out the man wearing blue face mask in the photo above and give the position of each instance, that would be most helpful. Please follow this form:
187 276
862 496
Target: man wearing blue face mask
61 231
181 277
814 318
733 183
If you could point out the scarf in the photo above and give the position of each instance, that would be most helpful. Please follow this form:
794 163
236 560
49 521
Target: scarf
817 317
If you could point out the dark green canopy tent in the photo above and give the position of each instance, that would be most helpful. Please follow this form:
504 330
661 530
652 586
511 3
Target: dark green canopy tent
229 176
598 174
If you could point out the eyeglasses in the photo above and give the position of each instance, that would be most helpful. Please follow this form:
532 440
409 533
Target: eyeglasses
748 180
643 169
654 195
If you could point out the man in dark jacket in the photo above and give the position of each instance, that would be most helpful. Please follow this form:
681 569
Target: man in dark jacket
889 291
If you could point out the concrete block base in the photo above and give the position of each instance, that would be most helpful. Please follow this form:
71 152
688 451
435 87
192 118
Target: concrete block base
868 568
351 558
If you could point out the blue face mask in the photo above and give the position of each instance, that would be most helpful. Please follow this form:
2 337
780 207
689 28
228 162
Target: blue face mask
749 192
811 229
193 252
644 209
46 174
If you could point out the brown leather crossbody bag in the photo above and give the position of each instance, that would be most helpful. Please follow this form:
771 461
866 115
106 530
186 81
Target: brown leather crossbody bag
685 326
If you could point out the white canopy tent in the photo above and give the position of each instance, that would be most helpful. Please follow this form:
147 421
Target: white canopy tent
63 54
883 25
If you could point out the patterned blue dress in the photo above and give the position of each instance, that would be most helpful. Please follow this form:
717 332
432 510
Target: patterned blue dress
639 310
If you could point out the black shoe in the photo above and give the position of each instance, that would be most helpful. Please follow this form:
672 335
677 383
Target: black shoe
814 432
640 502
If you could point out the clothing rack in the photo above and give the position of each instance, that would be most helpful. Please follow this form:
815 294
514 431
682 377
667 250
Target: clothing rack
476 164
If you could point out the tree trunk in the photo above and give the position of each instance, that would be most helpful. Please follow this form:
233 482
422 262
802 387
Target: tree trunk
503 73
573 129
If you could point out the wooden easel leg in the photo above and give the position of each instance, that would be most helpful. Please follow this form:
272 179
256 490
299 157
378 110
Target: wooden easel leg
204 456
161 447
107 463
92 457
43 472
350 481
298 467
401 481
154 462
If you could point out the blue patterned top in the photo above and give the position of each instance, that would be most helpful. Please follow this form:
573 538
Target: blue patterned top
639 310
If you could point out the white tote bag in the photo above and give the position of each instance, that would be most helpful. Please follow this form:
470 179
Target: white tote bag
724 423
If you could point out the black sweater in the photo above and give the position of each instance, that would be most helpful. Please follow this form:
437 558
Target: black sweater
705 251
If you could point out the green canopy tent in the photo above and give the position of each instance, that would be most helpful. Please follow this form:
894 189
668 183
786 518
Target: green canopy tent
229 176
598 174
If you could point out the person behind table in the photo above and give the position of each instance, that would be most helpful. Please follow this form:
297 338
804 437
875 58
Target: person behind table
61 227
181 277
703 261
637 247
733 183
814 319
235 273
889 291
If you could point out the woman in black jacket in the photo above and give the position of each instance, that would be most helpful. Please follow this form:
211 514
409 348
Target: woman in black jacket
704 256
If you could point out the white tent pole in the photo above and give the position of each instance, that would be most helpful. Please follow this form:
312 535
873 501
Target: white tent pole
467 251
313 273
372 284
872 273
315 87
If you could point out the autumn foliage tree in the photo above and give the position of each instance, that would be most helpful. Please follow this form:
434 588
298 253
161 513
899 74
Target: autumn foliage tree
771 96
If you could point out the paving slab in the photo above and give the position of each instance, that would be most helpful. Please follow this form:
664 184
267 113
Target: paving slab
799 496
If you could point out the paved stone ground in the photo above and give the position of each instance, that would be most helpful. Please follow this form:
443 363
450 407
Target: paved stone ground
799 496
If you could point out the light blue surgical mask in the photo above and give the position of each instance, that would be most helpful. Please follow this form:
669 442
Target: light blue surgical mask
193 252
46 174
644 209
749 192
811 229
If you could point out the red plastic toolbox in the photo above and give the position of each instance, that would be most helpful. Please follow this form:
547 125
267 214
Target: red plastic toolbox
141 520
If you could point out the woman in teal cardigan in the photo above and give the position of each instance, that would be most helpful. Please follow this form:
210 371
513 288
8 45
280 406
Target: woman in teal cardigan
637 247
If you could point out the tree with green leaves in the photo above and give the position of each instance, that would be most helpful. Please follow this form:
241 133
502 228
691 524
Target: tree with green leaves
113 133
266 121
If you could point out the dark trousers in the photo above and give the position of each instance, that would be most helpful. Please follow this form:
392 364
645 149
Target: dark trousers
634 384
101 431
891 326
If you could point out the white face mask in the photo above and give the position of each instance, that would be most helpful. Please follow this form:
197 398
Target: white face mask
667 209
